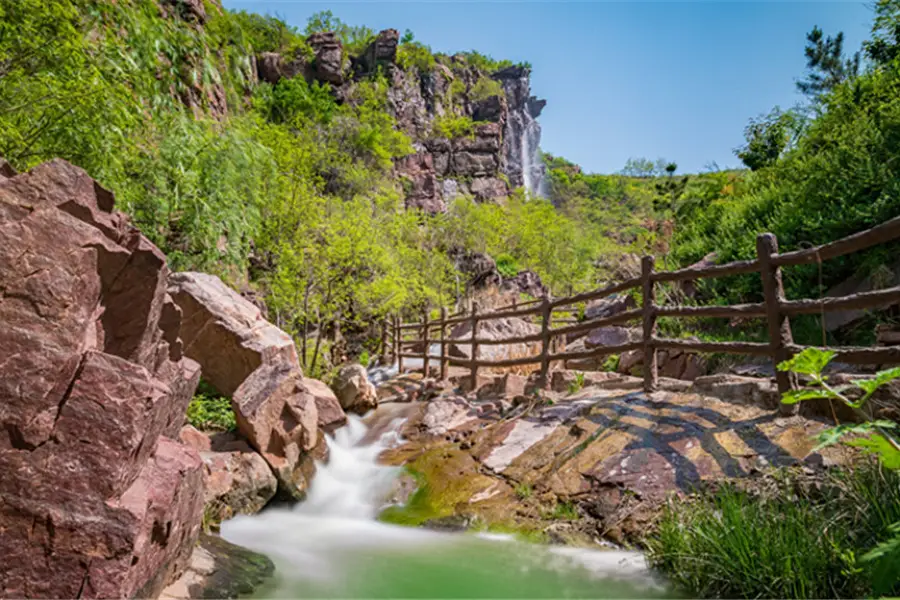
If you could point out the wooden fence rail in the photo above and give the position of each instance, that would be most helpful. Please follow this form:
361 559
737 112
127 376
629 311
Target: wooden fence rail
775 309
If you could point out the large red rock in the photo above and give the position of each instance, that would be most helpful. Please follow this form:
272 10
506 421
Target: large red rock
331 415
278 416
354 390
94 500
225 332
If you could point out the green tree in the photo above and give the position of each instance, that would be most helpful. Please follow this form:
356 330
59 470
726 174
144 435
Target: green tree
826 66
768 137
884 46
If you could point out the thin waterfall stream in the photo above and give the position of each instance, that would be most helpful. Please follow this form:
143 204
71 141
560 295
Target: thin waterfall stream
332 545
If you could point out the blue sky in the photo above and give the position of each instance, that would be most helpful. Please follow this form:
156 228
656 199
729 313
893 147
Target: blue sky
624 79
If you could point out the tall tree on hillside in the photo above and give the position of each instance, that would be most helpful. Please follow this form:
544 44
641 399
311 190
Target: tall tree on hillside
884 46
768 136
826 66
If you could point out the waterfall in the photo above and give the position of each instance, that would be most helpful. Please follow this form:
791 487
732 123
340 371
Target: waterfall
522 134
332 546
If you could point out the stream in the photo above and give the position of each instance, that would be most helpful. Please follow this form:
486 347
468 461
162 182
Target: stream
332 545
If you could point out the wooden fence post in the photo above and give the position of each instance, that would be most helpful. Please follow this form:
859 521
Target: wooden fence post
473 367
444 352
546 315
399 344
384 340
779 325
425 342
649 309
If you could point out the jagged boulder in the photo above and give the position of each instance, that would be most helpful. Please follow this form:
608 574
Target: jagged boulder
226 333
273 67
421 184
94 500
354 391
331 415
496 329
381 51
473 164
277 415
489 189
328 65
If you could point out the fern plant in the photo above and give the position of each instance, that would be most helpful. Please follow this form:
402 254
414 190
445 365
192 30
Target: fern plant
878 437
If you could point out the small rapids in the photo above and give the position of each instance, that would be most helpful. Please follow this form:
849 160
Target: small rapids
332 545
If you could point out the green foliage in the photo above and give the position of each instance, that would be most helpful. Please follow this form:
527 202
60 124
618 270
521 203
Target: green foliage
453 127
577 384
826 65
524 491
611 363
880 440
876 437
355 39
768 137
208 411
564 511
884 47
415 56
295 102
507 265
486 64
484 88
795 541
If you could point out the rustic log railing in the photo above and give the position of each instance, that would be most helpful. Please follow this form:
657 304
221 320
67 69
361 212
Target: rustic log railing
775 308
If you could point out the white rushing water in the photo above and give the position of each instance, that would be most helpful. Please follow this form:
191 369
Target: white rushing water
331 545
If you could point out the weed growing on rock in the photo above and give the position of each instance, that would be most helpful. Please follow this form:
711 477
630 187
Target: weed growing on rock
209 411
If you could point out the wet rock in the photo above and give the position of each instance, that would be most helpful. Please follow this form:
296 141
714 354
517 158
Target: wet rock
446 414
277 415
226 333
331 415
219 569
354 391
238 480
451 523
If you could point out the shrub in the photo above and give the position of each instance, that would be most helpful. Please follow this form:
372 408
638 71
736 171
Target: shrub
507 265
484 88
564 511
415 56
210 411
453 127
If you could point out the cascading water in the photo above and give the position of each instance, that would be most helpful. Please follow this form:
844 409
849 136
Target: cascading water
331 545
522 135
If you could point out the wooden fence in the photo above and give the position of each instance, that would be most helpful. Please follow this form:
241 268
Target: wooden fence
775 308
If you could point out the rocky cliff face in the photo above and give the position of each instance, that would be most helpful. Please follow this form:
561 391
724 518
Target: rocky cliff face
96 499
500 152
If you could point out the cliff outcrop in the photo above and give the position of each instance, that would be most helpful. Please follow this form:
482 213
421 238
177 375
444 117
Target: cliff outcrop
97 498
495 151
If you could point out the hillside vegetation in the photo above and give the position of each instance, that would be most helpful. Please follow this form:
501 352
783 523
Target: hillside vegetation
289 190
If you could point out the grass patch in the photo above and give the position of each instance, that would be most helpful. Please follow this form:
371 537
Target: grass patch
524 491
210 411
564 511
795 542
